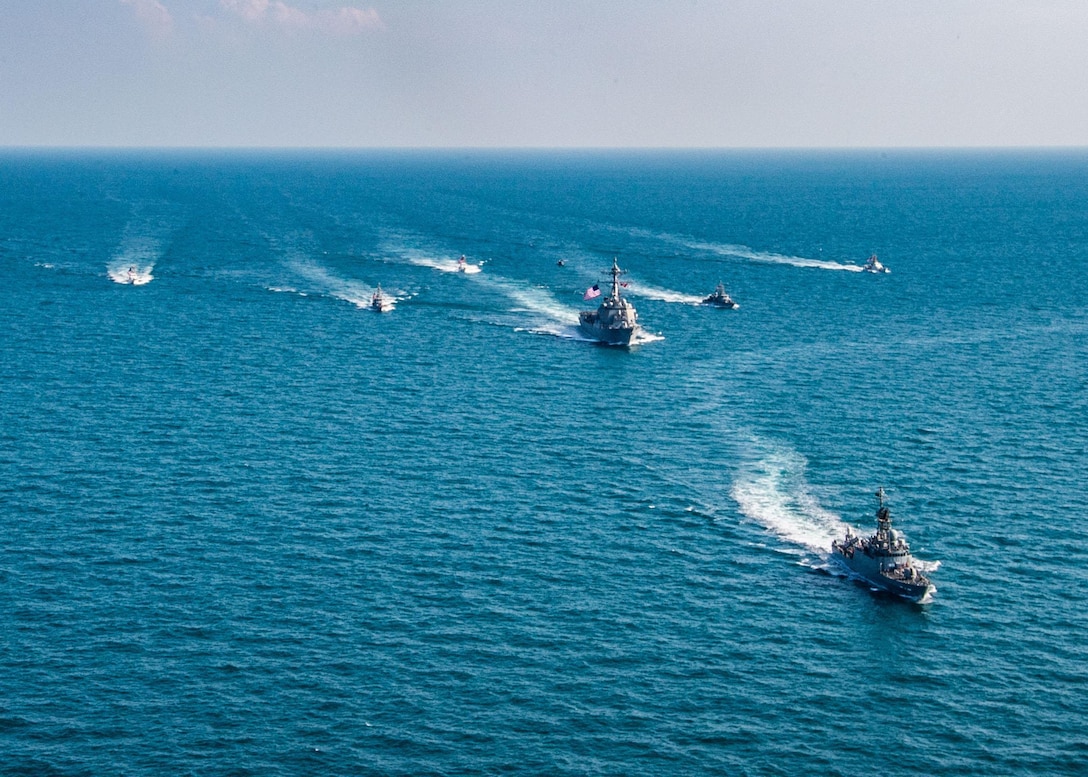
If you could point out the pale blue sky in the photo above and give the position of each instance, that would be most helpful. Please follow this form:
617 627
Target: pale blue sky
682 73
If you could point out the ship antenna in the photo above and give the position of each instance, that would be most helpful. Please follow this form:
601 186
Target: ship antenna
883 516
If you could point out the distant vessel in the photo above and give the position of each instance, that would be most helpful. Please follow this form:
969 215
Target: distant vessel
379 302
884 559
720 299
615 322
872 264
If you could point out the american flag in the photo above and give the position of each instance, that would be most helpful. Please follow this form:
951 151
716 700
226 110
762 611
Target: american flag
592 291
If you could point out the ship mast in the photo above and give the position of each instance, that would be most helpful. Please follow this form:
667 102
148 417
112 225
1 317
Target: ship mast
883 515
616 271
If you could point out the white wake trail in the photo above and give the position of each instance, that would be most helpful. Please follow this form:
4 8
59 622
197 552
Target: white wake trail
771 489
142 244
355 292
639 289
442 265
134 260
744 252
546 314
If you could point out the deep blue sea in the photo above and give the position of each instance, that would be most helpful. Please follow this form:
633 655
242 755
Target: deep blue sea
251 527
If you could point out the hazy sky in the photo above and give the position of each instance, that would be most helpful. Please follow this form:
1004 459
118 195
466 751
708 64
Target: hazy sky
731 73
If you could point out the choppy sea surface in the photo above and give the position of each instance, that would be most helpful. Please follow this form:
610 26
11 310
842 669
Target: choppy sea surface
252 527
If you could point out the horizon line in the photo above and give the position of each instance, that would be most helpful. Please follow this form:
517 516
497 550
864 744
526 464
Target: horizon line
455 148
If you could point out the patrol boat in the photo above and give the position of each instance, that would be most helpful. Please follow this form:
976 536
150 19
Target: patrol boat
720 299
874 265
884 559
615 322
379 302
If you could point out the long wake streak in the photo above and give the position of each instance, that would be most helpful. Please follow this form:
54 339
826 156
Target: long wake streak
442 265
743 252
664 295
545 314
746 252
355 292
770 488
548 315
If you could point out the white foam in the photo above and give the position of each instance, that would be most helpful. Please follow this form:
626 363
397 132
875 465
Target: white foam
534 300
537 310
665 295
134 260
927 566
555 330
141 245
643 336
744 252
355 292
442 265
770 488
126 272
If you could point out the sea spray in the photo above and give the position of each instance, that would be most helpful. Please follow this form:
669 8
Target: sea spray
770 488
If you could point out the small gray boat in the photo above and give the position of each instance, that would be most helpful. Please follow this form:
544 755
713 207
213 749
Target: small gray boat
720 299
873 265
615 321
380 303
884 559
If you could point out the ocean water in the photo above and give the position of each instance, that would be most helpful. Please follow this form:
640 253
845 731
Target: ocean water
253 528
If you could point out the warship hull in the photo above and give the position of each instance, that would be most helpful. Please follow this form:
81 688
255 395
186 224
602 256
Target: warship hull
892 580
589 325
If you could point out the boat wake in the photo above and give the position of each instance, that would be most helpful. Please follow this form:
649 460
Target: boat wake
664 295
770 488
131 274
142 244
643 337
443 265
535 308
744 252
134 261
927 566
355 292
286 290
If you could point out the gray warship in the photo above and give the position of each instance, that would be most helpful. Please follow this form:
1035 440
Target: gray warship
884 559
720 299
615 322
